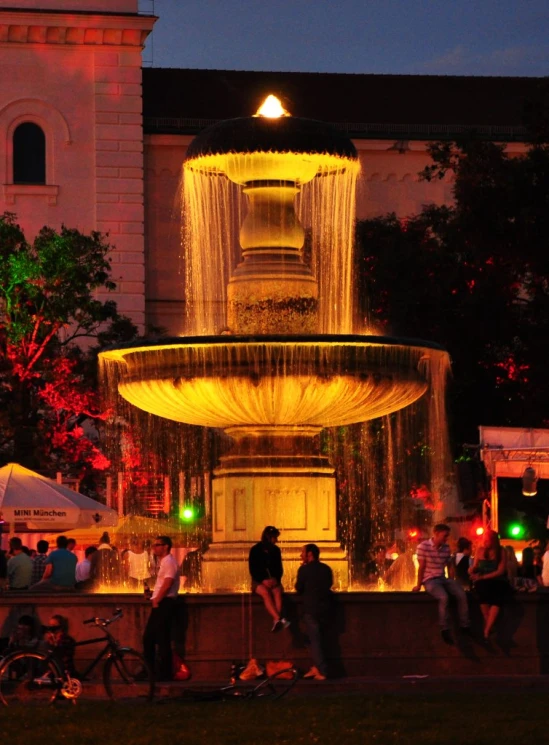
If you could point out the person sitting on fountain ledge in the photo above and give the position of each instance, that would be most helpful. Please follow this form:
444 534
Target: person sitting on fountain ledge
434 556
265 562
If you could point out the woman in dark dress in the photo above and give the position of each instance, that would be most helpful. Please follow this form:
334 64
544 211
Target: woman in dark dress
265 562
489 576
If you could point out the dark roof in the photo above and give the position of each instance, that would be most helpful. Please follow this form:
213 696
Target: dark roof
355 102
64 11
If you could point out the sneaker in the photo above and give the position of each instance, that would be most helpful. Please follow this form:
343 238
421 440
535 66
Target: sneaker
319 676
446 636
277 625
312 672
285 623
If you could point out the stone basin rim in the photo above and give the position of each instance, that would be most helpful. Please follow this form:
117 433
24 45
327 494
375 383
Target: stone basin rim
118 351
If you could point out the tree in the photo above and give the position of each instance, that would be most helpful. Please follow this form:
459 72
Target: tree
473 277
47 386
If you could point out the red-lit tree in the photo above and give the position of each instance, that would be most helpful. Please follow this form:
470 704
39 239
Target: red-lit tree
49 408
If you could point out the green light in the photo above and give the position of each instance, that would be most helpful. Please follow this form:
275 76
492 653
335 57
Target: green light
515 531
187 513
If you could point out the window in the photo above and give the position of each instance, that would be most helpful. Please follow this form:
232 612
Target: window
29 154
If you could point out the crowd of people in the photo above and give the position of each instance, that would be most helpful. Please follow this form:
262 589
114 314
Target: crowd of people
491 573
42 570
60 570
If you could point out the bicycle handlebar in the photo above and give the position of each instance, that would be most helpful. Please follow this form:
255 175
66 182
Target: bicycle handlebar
118 613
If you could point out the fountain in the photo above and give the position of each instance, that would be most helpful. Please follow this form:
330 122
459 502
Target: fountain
269 354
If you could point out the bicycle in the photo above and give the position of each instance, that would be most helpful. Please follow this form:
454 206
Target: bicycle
28 675
272 687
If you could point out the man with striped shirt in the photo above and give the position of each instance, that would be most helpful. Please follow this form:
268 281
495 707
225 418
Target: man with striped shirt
434 557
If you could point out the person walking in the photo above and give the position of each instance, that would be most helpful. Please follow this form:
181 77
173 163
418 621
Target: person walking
265 563
434 557
314 582
158 631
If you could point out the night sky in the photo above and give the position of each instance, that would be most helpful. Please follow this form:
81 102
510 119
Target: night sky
439 37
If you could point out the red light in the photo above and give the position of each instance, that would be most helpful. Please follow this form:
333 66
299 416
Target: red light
479 531
413 533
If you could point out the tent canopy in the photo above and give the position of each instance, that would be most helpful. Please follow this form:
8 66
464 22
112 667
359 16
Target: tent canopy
132 526
42 504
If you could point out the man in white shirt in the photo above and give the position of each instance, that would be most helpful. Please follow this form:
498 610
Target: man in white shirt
158 631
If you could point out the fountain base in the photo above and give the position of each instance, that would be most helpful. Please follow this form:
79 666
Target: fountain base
260 482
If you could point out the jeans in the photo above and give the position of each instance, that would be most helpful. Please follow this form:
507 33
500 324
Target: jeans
313 626
441 589
158 632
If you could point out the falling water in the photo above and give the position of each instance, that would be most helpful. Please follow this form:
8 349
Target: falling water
213 211
393 474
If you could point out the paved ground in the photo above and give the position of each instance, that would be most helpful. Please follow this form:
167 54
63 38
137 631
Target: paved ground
368 685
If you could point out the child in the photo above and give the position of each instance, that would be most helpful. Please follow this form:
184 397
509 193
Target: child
24 637
62 645
463 561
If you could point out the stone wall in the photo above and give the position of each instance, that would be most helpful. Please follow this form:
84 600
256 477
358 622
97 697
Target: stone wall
374 634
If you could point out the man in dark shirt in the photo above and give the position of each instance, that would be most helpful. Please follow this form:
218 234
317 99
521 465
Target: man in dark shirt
3 567
265 562
314 582
39 561
59 571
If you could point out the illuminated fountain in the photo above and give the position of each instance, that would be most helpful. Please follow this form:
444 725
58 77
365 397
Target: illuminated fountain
269 354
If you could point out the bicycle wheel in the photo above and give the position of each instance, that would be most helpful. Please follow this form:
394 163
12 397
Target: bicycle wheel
126 674
276 685
27 677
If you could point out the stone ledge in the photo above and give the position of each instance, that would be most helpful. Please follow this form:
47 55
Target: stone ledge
47 191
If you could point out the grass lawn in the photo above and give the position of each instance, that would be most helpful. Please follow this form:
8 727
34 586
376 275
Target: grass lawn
434 719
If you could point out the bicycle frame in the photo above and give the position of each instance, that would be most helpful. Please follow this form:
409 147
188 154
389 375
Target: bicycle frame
106 652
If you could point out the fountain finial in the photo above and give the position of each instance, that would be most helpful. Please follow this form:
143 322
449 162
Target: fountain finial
272 108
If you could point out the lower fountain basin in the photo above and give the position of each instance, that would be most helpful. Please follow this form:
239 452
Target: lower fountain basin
316 381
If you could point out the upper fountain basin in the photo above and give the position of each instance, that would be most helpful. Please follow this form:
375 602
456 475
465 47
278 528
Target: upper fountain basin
284 149
318 381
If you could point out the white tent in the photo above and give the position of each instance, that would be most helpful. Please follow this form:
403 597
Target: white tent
506 453
43 504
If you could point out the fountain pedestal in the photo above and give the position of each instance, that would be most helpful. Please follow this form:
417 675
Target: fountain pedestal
262 481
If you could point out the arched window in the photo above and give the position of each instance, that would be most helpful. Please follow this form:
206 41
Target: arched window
29 154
